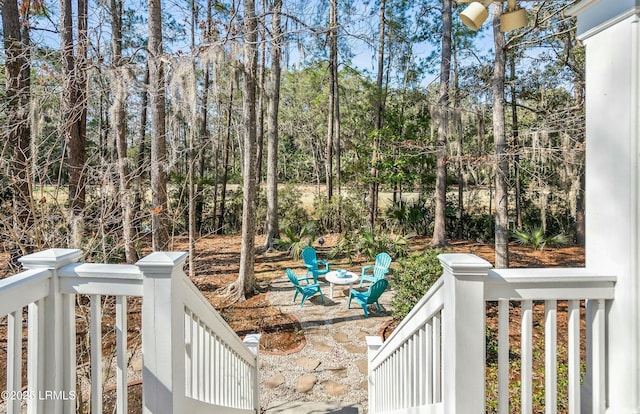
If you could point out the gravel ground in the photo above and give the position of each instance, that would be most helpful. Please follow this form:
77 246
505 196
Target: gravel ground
332 365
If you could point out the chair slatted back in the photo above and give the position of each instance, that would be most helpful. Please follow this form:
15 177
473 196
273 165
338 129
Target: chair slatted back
292 277
376 289
310 258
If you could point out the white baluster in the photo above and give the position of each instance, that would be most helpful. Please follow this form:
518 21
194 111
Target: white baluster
574 356
503 356
526 355
121 355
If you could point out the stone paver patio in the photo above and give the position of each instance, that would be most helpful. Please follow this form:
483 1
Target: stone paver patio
332 365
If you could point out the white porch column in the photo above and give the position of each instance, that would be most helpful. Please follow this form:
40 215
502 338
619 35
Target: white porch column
163 386
463 333
52 337
610 32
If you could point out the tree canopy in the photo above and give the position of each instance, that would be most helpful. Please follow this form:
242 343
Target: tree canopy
131 119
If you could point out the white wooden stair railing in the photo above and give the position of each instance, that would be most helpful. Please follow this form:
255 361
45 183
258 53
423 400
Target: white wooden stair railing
435 362
192 361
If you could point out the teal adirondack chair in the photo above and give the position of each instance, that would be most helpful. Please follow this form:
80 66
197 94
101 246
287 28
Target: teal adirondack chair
306 291
311 262
369 297
376 271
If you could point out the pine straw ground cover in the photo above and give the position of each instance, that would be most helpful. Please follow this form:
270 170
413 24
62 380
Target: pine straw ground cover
217 265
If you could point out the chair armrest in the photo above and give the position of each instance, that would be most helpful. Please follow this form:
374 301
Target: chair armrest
312 285
308 266
360 295
365 268
325 263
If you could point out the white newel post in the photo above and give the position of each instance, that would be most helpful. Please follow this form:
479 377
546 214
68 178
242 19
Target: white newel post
463 333
373 345
163 387
252 341
51 339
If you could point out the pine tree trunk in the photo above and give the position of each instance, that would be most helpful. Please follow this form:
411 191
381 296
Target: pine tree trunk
373 187
261 94
516 143
580 213
118 127
73 109
17 128
202 154
192 130
272 227
337 131
460 133
333 71
159 218
142 150
500 143
246 278
204 130
442 118
225 163
328 153
580 200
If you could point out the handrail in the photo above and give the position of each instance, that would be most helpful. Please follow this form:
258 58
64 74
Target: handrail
201 307
178 324
22 289
435 359
548 283
430 304
101 279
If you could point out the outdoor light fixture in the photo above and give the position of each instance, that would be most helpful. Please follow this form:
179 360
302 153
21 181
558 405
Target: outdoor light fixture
477 12
514 18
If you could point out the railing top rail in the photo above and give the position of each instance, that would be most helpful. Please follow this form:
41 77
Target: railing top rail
548 283
101 279
548 274
101 270
22 289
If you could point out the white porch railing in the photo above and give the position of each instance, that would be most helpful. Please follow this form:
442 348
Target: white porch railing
435 362
192 361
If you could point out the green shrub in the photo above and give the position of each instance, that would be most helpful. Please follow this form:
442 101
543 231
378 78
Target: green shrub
410 217
417 273
536 238
291 212
475 227
345 247
369 244
295 241
232 221
353 213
